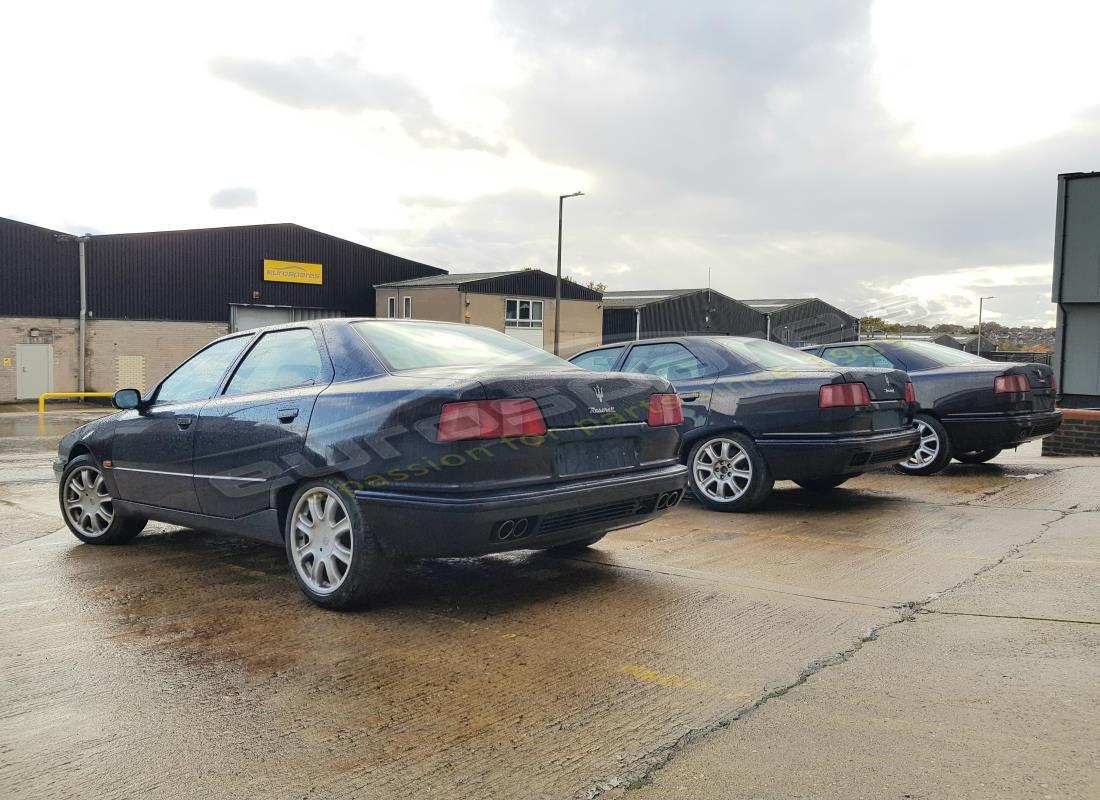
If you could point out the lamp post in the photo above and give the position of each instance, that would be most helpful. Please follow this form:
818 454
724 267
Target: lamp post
557 285
981 301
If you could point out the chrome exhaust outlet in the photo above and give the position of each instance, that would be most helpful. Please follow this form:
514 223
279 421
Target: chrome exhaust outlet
505 529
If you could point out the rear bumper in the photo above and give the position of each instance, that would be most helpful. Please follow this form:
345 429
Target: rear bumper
999 431
819 457
441 525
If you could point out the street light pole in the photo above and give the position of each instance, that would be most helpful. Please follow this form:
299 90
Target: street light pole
981 301
557 285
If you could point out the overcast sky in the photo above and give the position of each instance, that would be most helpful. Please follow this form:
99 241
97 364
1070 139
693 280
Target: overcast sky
890 157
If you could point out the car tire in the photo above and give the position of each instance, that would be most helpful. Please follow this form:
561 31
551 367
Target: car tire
330 548
824 484
977 456
727 473
575 548
934 451
88 508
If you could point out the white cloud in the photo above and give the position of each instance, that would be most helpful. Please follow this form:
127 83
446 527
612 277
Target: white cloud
984 75
789 149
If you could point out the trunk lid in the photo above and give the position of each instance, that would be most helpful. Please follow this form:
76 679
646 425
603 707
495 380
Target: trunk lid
596 425
1040 378
569 397
884 385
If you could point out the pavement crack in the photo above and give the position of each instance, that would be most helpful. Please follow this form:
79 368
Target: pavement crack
658 759
907 612
1023 617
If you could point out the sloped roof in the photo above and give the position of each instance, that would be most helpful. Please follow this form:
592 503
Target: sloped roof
523 282
642 297
453 279
769 306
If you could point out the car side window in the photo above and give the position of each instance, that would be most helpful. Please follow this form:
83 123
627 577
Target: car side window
199 377
669 360
856 356
598 360
279 360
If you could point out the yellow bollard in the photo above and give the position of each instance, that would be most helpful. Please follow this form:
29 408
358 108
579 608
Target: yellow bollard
42 397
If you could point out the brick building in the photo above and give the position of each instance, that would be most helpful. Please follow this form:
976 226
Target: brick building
100 312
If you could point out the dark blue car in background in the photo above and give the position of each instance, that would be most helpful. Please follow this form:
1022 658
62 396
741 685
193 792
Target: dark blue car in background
756 412
354 442
969 408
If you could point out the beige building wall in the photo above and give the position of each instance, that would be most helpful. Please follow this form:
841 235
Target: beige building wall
137 354
486 310
442 304
120 353
581 326
581 320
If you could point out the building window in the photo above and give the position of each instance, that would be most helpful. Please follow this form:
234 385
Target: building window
408 307
523 314
391 307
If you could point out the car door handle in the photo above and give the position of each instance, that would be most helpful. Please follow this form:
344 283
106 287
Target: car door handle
287 414
183 423
687 397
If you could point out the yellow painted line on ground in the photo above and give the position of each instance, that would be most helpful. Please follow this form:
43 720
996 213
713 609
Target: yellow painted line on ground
672 681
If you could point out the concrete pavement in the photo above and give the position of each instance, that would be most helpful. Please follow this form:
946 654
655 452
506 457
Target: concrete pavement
829 645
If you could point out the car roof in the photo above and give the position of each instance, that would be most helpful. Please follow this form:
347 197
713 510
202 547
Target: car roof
315 323
668 340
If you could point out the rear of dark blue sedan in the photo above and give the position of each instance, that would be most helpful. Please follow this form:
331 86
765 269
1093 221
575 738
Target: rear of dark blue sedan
756 412
969 408
462 441
352 443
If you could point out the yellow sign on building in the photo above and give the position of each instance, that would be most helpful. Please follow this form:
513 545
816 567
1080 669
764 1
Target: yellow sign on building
291 271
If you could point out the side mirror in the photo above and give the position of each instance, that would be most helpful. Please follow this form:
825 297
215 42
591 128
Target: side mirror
127 398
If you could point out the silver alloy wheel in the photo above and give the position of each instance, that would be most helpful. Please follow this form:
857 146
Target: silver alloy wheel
88 504
928 448
722 470
322 546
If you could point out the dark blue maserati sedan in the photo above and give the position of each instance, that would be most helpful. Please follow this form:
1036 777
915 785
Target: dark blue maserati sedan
969 408
756 411
354 442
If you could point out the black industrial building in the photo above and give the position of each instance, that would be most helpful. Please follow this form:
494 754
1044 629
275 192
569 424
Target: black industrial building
648 314
805 320
153 298
194 275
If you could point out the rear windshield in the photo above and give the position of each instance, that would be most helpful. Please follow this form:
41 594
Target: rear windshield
413 345
772 355
925 355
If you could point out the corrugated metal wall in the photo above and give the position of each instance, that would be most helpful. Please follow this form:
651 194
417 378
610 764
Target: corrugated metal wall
39 275
618 325
813 322
531 283
189 275
195 275
698 314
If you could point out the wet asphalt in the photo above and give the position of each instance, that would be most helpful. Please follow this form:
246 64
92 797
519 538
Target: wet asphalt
851 643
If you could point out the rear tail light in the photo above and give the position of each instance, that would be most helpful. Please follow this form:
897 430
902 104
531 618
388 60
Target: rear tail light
1053 382
490 419
837 395
910 393
665 409
1007 384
